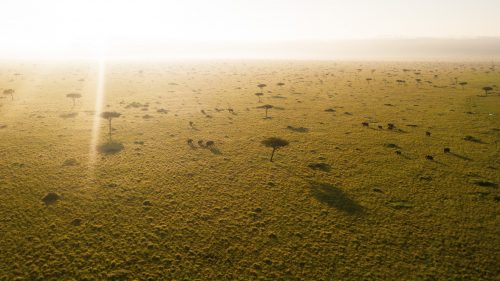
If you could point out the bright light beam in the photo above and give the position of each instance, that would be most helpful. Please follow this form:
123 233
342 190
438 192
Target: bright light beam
96 124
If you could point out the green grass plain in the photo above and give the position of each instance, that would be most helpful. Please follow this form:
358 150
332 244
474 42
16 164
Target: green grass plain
338 203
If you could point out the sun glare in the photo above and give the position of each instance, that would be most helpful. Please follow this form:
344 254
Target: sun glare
60 29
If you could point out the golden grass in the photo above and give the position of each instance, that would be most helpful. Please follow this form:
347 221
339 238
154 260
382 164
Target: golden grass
337 203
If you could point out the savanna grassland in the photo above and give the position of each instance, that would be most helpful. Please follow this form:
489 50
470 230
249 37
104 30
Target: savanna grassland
363 191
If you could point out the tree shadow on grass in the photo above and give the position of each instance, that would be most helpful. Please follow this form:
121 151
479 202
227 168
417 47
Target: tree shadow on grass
110 148
335 197
68 115
320 166
298 129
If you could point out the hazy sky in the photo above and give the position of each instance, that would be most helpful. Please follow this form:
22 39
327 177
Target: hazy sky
62 25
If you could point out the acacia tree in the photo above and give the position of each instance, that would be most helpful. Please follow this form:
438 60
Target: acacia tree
487 89
261 86
109 115
463 84
73 96
281 84
9 92
266 107
259 95
274 143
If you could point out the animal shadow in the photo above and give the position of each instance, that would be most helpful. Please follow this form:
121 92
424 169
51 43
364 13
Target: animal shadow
215 150
461 156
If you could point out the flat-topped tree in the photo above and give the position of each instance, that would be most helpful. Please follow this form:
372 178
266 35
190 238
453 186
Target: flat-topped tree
463 84
73 96
266 107
275 144
261 86
487 89
259 95
9 92
109 115
281 84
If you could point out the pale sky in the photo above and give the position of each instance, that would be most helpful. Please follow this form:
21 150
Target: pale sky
60 26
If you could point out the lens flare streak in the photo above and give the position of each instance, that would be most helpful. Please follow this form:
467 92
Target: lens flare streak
96 124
